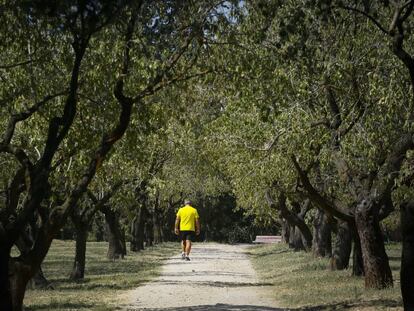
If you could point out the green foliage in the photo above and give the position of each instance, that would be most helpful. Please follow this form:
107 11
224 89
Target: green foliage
237 234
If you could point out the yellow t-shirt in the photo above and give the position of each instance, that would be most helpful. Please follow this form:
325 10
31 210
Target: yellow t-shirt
188 215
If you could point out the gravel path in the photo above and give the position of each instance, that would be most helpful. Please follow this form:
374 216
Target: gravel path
218 277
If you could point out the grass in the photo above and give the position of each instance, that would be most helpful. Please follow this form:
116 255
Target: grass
300 280
104 280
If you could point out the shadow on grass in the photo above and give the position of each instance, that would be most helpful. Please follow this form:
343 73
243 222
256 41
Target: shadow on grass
348 305
102 269
62 305
229 307
268 253
90 285
107 270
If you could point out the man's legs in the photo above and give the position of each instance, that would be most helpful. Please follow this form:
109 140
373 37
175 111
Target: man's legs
187 247
183 244
186 237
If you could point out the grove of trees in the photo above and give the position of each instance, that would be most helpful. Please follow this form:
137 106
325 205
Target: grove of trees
271 115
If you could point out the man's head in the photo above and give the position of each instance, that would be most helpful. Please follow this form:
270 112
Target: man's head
187 201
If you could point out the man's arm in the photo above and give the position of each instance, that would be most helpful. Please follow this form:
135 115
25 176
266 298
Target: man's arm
197 225
177 225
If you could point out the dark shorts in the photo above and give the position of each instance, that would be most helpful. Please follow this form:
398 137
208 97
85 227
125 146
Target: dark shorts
187 235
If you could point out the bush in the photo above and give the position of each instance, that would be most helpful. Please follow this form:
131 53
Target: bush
391 227
238 234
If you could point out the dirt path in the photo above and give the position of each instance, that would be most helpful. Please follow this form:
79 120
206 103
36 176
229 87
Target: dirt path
218 277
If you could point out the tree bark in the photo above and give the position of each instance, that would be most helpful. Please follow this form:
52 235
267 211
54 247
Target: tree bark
407 258
285 231
295 239
357 261
138 230
39 281
20 274
342 247
322 238
158 233
116 248
149 231
25 243
135 245
5 292
78 270
298 227
100 229
376 265
157 221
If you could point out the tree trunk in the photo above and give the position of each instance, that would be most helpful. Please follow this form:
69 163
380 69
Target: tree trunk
149 235
116 248
285 231
376 265
407 258
157 221
20 274
5 292
141 230
158 234
133 247
136 243
39 281
300 236
299 212
33 249
100 229
357 261
78 270
123 242
322 239
149 231
295 239
25 243
137 232
342 247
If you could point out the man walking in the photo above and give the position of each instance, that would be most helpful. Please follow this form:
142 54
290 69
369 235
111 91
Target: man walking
187 225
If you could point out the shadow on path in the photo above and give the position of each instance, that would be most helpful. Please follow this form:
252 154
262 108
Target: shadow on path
230 307
213 283
218 307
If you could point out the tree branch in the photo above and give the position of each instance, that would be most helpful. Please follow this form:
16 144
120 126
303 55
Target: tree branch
15 118
291 217
371 18
159 78
394 162
22 63
316 197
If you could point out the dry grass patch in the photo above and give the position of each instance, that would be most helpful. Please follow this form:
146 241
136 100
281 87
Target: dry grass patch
302 281
104 279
